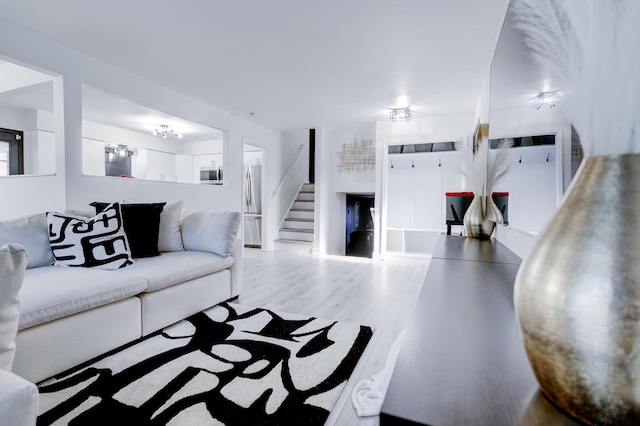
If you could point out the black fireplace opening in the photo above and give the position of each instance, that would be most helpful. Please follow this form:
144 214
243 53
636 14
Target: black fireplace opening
359 232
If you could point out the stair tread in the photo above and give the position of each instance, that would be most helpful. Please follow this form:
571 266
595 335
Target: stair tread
288 240
304 231
301 210
296 219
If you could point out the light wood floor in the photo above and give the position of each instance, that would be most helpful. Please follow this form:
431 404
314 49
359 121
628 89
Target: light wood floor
380 294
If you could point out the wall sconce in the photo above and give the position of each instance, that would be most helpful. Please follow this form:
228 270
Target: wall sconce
545 98
166 131
398 113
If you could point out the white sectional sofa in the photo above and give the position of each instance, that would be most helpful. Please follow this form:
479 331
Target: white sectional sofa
69 315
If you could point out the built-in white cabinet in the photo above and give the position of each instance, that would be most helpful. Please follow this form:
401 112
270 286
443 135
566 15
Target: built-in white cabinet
416 184
532 187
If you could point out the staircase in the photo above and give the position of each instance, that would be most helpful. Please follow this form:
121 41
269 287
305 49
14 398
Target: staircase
298 225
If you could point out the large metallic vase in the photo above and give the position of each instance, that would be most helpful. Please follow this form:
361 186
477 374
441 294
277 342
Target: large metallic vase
577 296
481 217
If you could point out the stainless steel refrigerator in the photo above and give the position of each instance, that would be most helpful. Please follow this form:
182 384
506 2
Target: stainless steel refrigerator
253 206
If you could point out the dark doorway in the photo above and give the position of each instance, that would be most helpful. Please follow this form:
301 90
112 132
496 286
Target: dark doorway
312 155
359 232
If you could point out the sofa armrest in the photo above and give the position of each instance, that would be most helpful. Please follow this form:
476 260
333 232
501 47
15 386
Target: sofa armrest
18 400
236 268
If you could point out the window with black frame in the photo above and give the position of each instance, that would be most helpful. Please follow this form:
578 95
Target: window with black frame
117 161
11 152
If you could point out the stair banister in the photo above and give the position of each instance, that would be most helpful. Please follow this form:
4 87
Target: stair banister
286 173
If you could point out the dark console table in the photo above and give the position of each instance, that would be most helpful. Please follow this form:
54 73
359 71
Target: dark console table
463 361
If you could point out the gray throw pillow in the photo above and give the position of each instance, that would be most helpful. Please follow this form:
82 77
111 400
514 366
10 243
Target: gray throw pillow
31 233
169 236
211 231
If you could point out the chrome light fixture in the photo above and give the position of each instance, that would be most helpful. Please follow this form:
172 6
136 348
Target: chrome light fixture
545 98
398 113
166 131
119 151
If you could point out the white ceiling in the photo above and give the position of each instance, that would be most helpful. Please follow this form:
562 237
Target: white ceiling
293 63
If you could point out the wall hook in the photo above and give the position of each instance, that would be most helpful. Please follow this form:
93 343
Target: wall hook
412 163
520 160
548 154
439 162
392 164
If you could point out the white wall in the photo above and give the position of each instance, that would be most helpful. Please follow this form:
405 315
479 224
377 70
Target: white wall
483 105
438 128
14 119
338 184
26 195
325 198
353 182
69 188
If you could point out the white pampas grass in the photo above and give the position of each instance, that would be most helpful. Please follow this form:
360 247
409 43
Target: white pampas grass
485 171
592 47
474 168
497 165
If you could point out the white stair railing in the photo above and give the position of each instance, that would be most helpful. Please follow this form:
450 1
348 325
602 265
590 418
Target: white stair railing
286 173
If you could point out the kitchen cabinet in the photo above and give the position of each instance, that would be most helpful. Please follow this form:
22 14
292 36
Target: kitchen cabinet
161 166
184 168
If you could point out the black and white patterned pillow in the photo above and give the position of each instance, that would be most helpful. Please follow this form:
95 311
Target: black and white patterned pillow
96 242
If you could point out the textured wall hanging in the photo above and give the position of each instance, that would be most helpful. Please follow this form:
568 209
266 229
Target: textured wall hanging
357 157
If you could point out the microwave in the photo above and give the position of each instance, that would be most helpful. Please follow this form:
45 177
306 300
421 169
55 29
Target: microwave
211 175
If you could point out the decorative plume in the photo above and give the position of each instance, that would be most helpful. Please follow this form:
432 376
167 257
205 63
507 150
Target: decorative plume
474 168
497 166
592 49
485 171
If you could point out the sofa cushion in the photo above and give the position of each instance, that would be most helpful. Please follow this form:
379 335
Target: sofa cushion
13 262
210 231
97 242
169 236
141 224
31 233
176 267
51 292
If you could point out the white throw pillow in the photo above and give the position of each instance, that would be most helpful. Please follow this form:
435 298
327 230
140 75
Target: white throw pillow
210 231
170 237
31 233
13 262
97 242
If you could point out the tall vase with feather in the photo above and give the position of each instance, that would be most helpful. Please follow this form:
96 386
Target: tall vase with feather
484 171
577 295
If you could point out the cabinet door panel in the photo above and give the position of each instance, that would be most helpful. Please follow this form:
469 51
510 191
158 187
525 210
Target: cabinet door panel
399 197
427 198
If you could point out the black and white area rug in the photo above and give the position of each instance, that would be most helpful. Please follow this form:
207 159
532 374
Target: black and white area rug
231 365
